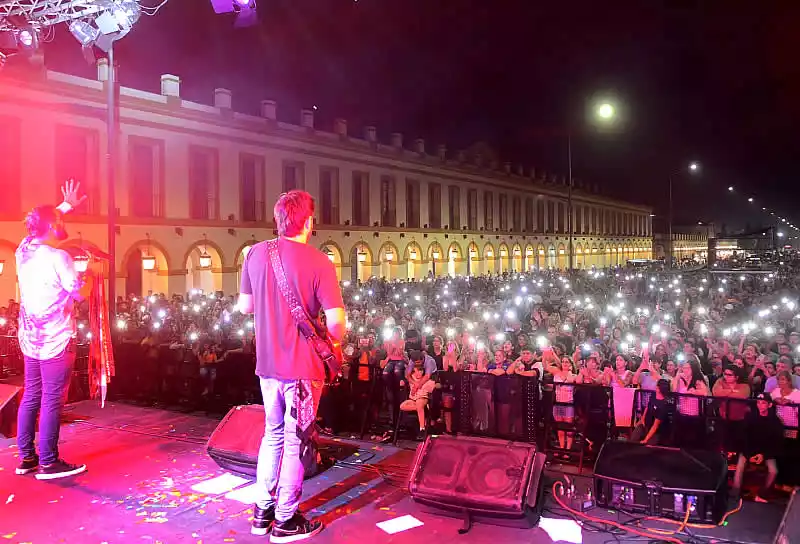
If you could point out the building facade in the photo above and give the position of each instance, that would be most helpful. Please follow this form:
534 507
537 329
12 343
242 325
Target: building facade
688 242
195 186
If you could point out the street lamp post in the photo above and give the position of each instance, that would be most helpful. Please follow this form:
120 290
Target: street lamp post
604 112
111 157
694 167
569 201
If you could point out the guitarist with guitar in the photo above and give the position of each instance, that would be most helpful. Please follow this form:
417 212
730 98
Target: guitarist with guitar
286 283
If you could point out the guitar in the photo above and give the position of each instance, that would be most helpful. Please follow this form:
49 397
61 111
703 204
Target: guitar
328 350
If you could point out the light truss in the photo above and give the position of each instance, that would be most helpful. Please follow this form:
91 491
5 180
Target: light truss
45 13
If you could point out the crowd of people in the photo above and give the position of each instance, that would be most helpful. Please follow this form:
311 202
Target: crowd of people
695 332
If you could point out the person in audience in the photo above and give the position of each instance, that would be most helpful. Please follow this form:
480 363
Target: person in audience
654 426
763 444
419 392
619 375
785 392
784 364
563 374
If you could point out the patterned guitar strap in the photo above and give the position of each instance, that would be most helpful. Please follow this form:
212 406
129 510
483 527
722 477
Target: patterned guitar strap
303 408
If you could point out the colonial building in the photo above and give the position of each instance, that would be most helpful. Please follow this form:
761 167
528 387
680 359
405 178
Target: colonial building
688 242
196 183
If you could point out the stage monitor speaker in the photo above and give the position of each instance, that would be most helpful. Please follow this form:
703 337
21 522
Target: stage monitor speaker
235 442
485 479
664 482
789 529
10 397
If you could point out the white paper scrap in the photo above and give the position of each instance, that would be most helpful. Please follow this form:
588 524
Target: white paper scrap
244 495
562 530
219 485
397 525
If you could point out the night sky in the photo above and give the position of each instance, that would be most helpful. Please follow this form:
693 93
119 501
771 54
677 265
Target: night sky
717 82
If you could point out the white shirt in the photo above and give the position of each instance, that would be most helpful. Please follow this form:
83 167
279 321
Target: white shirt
48 284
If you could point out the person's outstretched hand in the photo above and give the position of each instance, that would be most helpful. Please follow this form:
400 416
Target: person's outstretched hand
71 192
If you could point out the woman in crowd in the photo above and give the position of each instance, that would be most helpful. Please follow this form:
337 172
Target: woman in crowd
562 371
419 392
619 375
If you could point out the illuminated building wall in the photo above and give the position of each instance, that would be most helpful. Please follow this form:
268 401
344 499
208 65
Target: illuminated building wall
196 180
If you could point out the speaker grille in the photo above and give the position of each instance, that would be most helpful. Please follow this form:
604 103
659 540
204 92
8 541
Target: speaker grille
470 472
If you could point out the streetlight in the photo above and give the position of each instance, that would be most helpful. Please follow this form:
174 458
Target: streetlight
435 255
605 112
694 167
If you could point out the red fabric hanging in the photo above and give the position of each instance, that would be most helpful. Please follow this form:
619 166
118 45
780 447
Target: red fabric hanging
101 351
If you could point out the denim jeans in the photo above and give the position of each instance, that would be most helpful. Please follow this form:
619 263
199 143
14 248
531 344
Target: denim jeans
393 373
46 383
280 469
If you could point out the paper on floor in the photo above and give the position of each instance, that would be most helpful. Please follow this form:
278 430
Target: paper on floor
244 495
397 525
219 485
562 530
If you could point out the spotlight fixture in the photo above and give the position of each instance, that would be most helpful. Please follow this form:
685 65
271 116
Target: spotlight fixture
22 39
110 25
245 11
84 32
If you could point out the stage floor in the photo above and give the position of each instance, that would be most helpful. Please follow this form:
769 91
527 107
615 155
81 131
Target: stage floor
150 481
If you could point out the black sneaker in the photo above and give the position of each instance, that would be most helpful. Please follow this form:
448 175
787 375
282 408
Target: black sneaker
263 518
59 469
297 528
28 465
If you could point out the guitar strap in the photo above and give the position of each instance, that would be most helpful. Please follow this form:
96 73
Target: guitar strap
303 398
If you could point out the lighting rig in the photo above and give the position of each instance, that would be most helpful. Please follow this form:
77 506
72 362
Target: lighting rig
245 11
25 24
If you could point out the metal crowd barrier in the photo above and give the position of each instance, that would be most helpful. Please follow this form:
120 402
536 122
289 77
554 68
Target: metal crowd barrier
510 407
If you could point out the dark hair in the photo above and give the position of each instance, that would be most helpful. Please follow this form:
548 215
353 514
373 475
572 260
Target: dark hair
738 372
663 386
291 212
44 219
416 356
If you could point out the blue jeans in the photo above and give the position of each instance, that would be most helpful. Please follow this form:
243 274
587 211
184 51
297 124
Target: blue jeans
280 469
46 383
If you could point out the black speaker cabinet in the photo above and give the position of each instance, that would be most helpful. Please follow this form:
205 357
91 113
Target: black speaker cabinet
663 482
485 479
235 442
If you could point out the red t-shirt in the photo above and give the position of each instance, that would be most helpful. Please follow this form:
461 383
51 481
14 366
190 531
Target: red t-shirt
281 351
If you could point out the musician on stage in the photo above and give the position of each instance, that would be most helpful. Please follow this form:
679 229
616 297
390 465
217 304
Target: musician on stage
48 286
290 370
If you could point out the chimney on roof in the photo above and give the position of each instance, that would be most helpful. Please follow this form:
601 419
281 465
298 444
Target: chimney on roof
441 152
269 109
397 140
307 118
419 146
371 134
171 85
223 99
102 69
340 127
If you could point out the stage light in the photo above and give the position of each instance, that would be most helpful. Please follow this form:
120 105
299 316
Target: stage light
245 10
22 39
85 33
